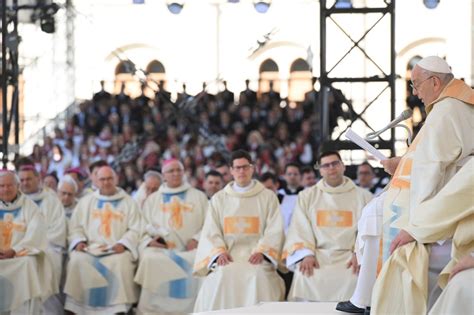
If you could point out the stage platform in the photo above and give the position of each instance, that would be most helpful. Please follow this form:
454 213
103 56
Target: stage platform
282 308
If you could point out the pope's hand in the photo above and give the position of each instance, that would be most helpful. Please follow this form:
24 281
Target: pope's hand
390 165
401 239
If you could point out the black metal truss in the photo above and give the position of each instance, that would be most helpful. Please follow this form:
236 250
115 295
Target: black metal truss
9 81
387 8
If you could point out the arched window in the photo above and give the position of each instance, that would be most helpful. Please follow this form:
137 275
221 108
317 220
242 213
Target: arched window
300 80
299 65
155 72
124 74
268 66
268 72
155 67
125 67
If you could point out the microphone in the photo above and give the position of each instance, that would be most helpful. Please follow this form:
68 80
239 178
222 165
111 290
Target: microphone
394 123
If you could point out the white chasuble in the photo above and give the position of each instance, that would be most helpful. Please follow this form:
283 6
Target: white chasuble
23 278
240 223
324 224
100 281
53 212
165 275
440 201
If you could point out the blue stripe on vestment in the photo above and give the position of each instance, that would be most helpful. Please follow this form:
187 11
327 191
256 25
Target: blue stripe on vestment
390 232
101 297
179 289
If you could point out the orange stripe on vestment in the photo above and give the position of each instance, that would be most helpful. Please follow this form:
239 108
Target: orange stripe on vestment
205 262
334 218
241 225
457 89
295 247
380 258
268 250
401 177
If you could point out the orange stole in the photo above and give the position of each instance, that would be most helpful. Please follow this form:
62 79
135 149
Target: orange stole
7 227
106 215
241 225
176 207
334 218
401 177
380 258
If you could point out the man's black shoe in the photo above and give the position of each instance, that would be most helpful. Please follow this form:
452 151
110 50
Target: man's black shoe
367 310
348 307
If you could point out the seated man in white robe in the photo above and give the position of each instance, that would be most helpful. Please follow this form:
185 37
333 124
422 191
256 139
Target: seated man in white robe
321 238
22 245
174 217
240 244
53 212
67 192
103 238
151 183
408 281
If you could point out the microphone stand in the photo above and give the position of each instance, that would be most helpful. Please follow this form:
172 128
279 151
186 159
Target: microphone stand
373 135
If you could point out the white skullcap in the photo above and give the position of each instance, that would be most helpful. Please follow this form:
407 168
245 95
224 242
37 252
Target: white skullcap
434 64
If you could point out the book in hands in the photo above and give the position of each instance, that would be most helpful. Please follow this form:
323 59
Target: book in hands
99 250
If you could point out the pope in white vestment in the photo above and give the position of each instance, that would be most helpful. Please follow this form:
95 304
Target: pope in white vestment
103 238
240 245
23 230
320 241
444 145
175 215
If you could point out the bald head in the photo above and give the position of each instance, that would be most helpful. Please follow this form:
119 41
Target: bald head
9 183
107 181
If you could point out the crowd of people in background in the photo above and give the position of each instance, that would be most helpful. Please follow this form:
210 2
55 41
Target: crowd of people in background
197 129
